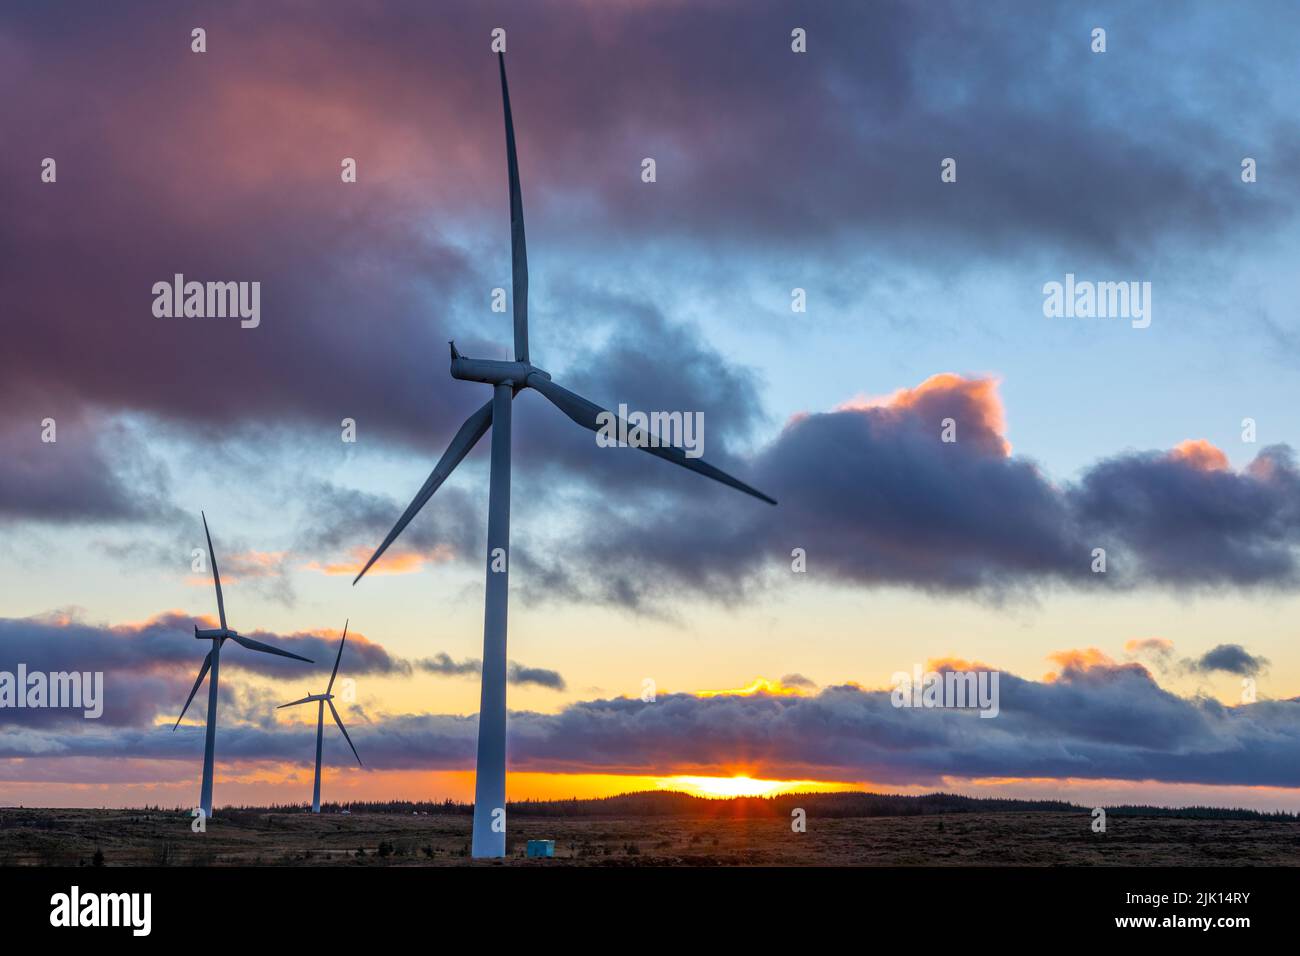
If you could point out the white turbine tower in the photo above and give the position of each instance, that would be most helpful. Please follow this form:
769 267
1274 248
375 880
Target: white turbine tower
507 379
212 662
321 700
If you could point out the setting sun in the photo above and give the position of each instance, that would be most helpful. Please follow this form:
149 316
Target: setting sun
742 786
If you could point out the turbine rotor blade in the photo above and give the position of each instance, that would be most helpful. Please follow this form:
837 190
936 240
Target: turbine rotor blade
460 446
334 673
216 578
198 681
253 645
305 700
586 414
518 247
338 720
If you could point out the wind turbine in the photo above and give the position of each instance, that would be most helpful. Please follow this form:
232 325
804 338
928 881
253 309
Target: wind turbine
508 379
212 662
321 700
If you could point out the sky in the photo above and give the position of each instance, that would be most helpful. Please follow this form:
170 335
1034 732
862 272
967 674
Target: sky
639 591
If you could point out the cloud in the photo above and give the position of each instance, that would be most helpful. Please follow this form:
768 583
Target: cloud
1227 658
1200 454
900 506
442 663
516 673
1149 645
1079 663
1231 659
363 284
94 471
692 376
150 667
974 402
1096 720
1183 523
345 525
267 572
874 495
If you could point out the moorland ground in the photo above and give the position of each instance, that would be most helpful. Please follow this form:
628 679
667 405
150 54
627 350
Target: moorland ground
72 837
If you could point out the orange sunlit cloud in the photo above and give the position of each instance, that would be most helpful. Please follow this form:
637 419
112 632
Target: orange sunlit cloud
401 562
241 565
1085 659
1159 645
980 393
955 664
1200 454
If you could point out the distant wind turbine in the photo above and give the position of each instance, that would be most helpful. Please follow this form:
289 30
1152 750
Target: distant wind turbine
212 662
321 700
507 379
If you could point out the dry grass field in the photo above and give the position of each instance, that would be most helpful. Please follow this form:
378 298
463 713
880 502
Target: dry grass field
42 837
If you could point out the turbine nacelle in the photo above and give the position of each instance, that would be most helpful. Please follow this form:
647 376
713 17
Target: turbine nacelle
211 633
491 371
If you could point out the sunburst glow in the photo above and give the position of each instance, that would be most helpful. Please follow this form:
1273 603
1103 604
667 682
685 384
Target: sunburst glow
759 685
742 786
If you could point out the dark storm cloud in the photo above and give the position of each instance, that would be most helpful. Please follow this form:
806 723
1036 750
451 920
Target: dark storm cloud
1093 722
1231 659
169 162
225 165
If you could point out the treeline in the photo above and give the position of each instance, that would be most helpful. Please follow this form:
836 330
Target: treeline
406 807
667 803
1202 813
